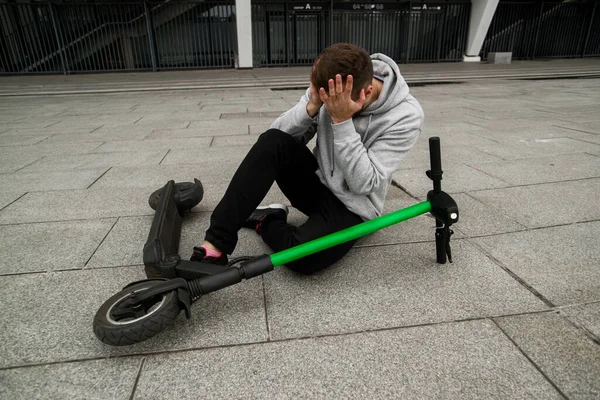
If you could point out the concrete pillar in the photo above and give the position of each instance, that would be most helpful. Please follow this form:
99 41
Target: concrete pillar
482 12
243 13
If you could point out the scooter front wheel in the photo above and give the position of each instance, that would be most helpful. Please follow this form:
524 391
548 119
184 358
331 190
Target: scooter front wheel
122 321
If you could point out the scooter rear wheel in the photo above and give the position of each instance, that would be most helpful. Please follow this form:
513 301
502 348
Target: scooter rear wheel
120 321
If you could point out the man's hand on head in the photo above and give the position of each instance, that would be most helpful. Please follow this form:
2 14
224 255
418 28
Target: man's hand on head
340 105
315 103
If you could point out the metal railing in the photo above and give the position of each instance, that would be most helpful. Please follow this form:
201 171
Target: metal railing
531 29
294 32
71 37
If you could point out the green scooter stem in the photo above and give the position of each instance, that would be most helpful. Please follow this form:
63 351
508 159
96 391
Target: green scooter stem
354 232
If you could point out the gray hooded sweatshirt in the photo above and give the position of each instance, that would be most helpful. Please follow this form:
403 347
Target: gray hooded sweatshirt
358 157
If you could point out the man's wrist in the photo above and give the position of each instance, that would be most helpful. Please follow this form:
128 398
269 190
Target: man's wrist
312 110
337 120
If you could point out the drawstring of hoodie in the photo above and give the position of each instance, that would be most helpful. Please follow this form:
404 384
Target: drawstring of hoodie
331 155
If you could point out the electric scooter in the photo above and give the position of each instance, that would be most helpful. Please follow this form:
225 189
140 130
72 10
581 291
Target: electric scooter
144 308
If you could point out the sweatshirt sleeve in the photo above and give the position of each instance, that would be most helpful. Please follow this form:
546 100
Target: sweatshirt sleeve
365 170
296 121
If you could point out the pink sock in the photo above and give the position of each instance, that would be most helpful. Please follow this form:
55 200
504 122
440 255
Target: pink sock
212 253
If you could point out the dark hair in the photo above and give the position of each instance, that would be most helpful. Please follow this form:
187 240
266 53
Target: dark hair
344 59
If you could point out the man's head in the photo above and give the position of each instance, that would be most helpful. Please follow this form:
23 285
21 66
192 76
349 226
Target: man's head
344 59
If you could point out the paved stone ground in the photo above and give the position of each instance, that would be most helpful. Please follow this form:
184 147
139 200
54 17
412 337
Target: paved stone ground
517 315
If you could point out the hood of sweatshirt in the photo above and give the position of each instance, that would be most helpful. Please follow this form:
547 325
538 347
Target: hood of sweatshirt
393 92
358 157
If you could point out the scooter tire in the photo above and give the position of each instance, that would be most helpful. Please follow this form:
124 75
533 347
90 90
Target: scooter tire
159 312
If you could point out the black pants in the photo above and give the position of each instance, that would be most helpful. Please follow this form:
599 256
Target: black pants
278 157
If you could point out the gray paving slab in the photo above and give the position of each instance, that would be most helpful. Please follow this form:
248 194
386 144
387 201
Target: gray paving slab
586 316
477 219
585 137
418 157
525 134
232 129
108 119
95 160
100 136
44 149
152 145
124 244
98 379
542 169
50 246
569 358
561 262
262 112
11 162
163 123
455 138
40 181
55 311
226 107
442 128
17 139
257 129
246 141
155 176
53 131
216 155
32 123
7 197
77 204
537 147
457 178
270 107
469 360
545 204
390 286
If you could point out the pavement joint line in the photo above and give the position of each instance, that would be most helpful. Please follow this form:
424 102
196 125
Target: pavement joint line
71 220
52 124
584 141
26 273
137 378
403 189
137 120
291 339
492 208
486 173
555 386
264 293
211 142
366 246
25 166
516 277
532 184
98 178
102 241
589 334
483 137
165 156
537 228
46 138
576 130
87 268
92 151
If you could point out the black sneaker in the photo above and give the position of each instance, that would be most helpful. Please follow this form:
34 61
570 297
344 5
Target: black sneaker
258 215
199 255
